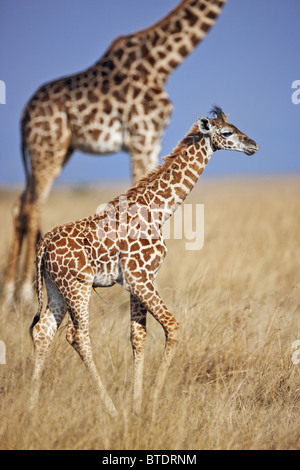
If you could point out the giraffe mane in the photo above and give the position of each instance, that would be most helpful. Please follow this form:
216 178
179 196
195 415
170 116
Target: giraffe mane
145 31
192 137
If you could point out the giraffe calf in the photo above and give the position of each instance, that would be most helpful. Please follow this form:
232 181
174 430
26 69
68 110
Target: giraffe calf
123 244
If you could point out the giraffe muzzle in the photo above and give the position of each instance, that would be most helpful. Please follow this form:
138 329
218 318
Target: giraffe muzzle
251 148
251 151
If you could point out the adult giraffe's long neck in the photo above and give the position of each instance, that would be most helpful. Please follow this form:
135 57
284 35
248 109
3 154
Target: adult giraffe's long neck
168 42
168 186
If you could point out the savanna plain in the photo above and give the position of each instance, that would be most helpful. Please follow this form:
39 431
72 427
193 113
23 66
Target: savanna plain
234 382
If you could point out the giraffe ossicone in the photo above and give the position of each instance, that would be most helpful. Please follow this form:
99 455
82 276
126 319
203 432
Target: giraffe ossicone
77 256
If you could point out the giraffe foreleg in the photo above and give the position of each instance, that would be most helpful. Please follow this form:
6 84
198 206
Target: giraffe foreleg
144 155
138 339
153 303
78 337
146 133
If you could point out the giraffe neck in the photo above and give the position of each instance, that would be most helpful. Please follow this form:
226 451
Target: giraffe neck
167 43
167 187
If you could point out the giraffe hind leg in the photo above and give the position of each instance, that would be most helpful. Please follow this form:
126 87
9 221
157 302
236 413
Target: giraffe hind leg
38 191
43 329
32 208
26 227
78 337
19 231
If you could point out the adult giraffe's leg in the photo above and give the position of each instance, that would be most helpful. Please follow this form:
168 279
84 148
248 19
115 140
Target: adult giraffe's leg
43 330
78 337
32 215
146 133
138 338
144 155
153 303
19 229
40 187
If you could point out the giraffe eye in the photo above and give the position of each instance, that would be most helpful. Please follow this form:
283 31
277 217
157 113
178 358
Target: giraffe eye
226 134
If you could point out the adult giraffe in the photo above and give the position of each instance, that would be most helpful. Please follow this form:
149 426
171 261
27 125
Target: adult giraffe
123 244
118 103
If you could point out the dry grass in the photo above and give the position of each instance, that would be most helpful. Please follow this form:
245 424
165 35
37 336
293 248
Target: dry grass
232 384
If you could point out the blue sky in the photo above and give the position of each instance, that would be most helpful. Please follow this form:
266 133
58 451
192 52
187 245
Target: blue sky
246 64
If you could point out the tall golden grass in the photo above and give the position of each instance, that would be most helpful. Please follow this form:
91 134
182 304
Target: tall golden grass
232 383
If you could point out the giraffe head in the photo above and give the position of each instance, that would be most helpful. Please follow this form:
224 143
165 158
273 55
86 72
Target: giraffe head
224 135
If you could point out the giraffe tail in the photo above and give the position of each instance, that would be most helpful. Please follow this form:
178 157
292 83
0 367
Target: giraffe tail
41 248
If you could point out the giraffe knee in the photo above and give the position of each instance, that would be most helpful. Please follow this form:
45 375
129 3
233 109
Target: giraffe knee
37 335
172 332
70 332
42 331
137 336
70 337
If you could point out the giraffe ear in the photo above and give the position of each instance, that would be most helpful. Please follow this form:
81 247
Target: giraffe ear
205 126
